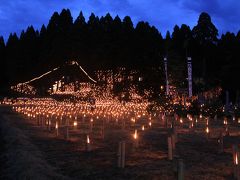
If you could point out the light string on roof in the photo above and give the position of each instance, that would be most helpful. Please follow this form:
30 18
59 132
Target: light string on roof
39 77
72 63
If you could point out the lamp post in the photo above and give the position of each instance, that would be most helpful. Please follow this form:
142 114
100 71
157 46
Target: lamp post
166 75
189 64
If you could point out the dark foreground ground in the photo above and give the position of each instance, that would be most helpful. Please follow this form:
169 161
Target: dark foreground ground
32 152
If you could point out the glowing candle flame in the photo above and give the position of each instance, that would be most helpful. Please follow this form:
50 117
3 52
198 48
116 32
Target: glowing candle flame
181 121
207 130
135 134
56 126
225 122
88 139
133 120
143 127
236 159
150 123
75 123
91 119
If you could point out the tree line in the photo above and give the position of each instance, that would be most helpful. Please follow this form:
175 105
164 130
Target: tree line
106 42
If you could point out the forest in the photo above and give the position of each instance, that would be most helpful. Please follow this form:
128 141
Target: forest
109 42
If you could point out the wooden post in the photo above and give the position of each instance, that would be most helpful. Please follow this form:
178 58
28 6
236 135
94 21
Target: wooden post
135 139
42 120
196 121
173 142
121 154
38 119
56 127
49 124
103 130
227 131
67 128
220 142
91 126
123 124
180 170
88 144
175 133
166 121
170 149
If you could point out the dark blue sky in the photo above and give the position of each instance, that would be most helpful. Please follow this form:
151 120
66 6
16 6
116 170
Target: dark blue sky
16 15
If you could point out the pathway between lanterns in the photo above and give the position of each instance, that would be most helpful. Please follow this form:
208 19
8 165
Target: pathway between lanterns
34 153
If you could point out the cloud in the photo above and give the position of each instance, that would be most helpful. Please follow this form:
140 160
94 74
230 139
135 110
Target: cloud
16 15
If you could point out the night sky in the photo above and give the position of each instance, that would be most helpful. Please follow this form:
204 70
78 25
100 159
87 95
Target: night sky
16 15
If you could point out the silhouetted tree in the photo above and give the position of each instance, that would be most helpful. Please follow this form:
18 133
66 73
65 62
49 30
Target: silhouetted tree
205 31
2 61
108 43
205 34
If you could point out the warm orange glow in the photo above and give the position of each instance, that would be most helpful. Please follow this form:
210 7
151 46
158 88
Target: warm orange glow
133 120
135 135
181 121
56 126
207 130
88 139
225 122
150 123
75 123
236 158
143 128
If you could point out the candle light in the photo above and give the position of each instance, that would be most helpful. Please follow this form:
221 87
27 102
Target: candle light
135 134
150 123
56 125
75 123
88 145
207 130
88 139
181 120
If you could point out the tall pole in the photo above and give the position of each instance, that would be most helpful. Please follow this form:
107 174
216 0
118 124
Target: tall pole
227 101
189 64
166 76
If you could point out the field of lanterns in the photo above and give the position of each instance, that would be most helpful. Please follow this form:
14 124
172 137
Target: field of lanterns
111 140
